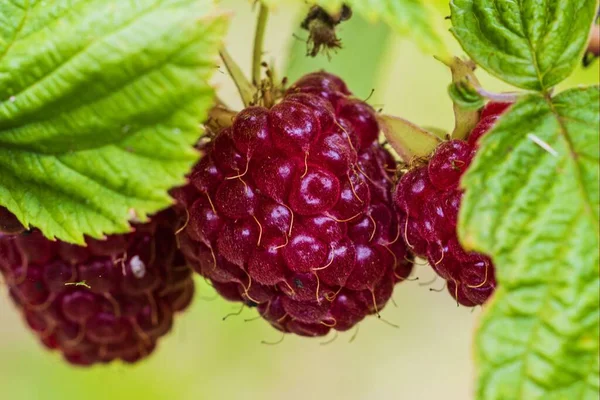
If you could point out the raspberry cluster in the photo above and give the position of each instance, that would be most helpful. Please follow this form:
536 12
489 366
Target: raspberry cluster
110 300
430 196
290 211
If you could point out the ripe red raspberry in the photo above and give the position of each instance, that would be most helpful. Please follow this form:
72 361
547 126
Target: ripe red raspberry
110 300
9 224
430 197
290 211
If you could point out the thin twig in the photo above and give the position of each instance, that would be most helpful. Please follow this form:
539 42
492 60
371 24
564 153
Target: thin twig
243 85
261 24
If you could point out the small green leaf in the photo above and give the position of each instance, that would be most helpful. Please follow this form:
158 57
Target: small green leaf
532 202
532 44
466 101
100 103
465 97
413 18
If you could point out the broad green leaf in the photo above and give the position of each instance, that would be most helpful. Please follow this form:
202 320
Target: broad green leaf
415 18
360 40
532 202
100 103
532 44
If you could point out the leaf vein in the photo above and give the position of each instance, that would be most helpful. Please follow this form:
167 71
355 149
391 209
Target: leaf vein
17 31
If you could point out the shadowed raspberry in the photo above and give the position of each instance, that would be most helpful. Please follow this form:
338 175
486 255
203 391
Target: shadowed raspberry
111 300
430 196
292 214
9 224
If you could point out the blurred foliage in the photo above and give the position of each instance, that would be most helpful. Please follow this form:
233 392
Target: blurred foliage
360 73
412 18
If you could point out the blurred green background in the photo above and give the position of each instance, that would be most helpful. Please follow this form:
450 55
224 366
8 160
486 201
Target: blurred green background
204 357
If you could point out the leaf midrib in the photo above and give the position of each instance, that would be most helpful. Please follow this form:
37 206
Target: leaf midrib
532 51
572 157
17 31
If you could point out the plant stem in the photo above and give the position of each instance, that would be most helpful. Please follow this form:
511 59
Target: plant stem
245 88
259 36
510 97
462 70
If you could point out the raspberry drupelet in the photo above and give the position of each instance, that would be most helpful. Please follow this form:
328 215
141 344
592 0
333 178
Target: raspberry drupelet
430 197
290 211
111 300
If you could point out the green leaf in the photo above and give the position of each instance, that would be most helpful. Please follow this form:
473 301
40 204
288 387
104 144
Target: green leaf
414 18
532 203
465 97
532 44
100 103
466 110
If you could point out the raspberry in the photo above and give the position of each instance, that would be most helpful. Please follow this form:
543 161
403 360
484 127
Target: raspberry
290 211
9 224
430 196
110 300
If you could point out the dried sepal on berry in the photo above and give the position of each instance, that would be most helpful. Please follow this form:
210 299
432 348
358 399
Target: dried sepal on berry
407 139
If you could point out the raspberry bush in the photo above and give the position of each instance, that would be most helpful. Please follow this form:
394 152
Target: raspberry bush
290 211
296 208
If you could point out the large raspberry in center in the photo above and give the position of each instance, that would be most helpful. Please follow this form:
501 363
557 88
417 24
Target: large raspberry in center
290 211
